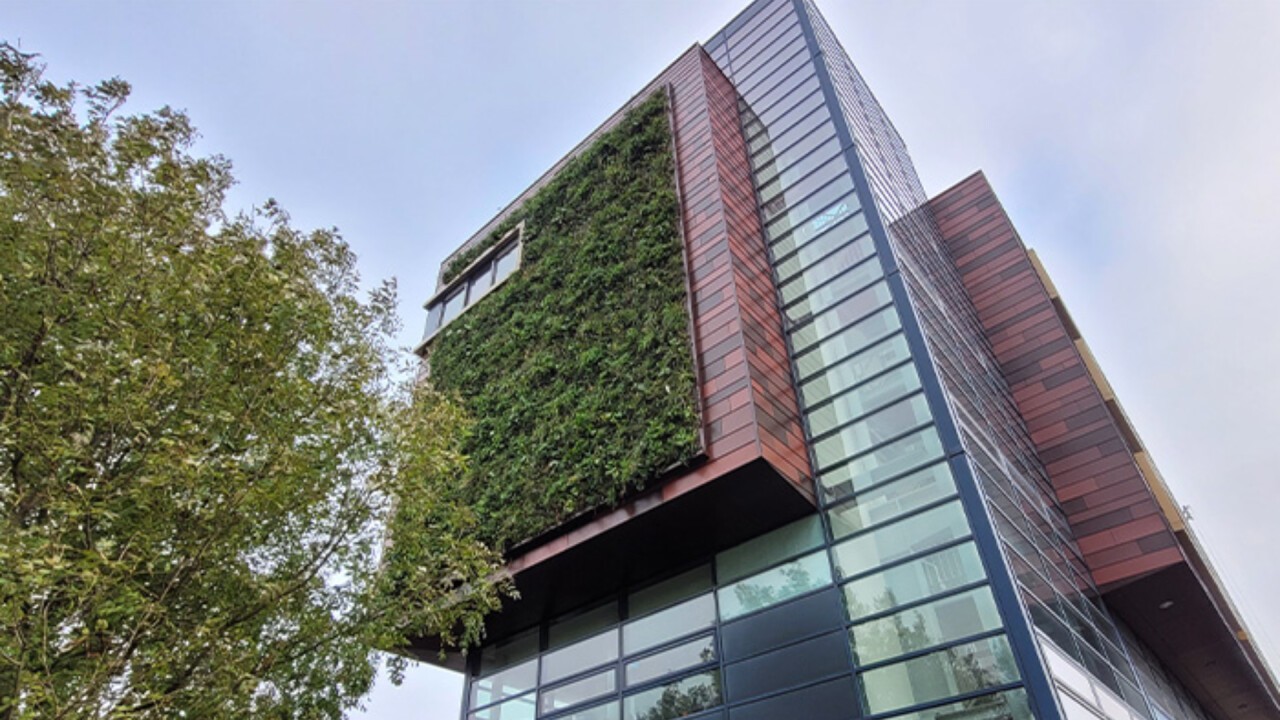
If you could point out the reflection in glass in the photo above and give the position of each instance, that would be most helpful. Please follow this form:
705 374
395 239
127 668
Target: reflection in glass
882 463
849 341
578 691
453 306
577 626
855 370
521 708
509 652
504 684
817 224
871 431
675 700
914 580
676 659
901 538
481 280
892 500
1008 705
774 586
805 214
607 711
954 671
580 656
865 398
765 550
841 316
945 620
844 285
669 592
507 262
668 624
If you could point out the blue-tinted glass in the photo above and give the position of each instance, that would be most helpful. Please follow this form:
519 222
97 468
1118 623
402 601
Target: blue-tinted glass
875 429
826 296
810 210
854 370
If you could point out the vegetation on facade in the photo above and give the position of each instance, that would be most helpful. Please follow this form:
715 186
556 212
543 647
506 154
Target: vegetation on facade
201 438
578 369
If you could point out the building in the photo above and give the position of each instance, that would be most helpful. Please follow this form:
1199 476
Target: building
766 432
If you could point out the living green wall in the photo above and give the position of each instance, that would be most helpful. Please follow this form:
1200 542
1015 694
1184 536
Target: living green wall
577 370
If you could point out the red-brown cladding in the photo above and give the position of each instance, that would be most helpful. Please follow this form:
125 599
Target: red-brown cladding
1112 512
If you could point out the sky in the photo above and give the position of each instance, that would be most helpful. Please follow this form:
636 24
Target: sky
1135 145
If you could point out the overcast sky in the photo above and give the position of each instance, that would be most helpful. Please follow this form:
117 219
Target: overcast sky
1136 146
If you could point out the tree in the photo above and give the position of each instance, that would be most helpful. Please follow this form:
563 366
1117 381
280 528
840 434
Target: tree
202 435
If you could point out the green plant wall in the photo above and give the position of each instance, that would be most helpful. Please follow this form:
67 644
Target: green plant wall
577 370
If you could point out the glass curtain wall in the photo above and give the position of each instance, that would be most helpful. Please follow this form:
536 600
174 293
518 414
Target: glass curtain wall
925 627
1054 582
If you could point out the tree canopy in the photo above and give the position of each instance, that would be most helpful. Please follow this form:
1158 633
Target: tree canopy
203 435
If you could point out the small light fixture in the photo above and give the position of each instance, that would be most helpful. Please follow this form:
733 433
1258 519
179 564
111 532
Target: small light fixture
1165 605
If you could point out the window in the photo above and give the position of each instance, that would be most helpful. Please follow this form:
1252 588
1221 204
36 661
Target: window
477 280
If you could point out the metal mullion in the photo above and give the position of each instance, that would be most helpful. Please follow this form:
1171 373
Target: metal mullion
910 709
852 192
759 79
815 238
891 521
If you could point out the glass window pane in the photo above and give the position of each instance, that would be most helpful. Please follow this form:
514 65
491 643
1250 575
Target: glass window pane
792 57
674 700
507 262
509 652
676 659
905 537
836 291
765 98
869 432
669 592
433 318
758 55
785 197
801 172
849 341
756 40
838 236
774 586
883 463
607 711
852 255
864 398
578 691
521 708
580 656
453 306
895 499
956 670
842 316
1008 705
575 627
806 212
856 369
687 617
915 580
797 133
480 282
765 550
946 620
504 684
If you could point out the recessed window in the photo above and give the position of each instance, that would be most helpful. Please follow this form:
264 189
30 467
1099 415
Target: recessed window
475 281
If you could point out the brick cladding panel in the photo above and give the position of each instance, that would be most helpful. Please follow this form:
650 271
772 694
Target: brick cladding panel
1115 518
747 391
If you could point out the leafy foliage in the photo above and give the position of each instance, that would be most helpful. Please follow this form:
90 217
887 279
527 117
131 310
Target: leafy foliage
578 370
200 437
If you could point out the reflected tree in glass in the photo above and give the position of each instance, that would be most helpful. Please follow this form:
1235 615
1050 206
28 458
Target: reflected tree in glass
677 701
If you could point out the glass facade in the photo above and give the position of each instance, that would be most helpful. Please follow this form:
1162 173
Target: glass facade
939 577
